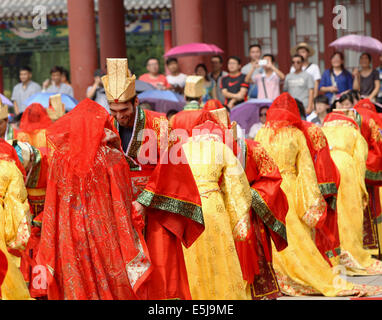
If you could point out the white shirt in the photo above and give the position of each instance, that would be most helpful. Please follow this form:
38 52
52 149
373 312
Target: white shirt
254 129
177 81
313 70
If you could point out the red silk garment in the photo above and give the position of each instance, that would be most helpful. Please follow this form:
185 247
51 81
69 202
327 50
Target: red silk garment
3 268
328 178
371 130
173 207
33 125
36 187
34 118
91 243
8 153
186 120
268 213
213 104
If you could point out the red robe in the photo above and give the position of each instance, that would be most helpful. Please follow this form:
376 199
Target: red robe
328 178
370 123
91 242
269 210
3 268
173 213
187 119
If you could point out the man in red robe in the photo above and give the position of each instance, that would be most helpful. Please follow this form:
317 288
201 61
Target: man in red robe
370 125
168 191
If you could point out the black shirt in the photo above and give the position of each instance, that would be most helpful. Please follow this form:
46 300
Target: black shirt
125 134
233 85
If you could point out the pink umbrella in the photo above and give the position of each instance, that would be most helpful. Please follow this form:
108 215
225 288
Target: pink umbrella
193 49
358 43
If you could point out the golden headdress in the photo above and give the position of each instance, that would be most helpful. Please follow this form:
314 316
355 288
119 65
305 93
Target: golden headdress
118 83
3 111
221 115
194 87
56 108
351 113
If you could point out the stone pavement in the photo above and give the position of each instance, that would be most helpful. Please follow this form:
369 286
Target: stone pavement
369 280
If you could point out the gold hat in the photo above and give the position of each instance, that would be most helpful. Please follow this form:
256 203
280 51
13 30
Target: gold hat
194 87
221 115
56 108
3 111
118 83
303 45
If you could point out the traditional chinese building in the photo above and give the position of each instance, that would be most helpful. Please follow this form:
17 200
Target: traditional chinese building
144 25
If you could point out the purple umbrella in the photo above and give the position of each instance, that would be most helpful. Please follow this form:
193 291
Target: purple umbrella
193 49
162 100
5 100
358 43
246 114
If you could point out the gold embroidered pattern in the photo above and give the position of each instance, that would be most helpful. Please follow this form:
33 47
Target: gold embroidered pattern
317 137
241 230
314 213
375 133
160 125
266 163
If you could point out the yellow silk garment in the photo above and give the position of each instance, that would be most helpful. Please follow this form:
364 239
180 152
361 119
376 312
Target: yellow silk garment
349 151
213 266
37 138
300 268
14 228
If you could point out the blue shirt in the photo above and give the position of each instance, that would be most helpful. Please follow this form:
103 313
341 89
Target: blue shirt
344 82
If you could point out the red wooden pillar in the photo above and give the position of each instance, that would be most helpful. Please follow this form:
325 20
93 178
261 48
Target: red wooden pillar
111 19
329 32
215 25
188 26
375 19
82 45
167 35
283 39
234 33
1 80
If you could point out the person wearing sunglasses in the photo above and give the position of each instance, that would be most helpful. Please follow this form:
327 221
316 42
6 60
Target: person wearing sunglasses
257 126
300 84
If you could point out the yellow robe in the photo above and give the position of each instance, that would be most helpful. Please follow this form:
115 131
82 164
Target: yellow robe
349 151
300 268
14 228
213 266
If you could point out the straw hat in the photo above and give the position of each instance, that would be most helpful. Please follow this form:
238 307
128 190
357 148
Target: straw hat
303 45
